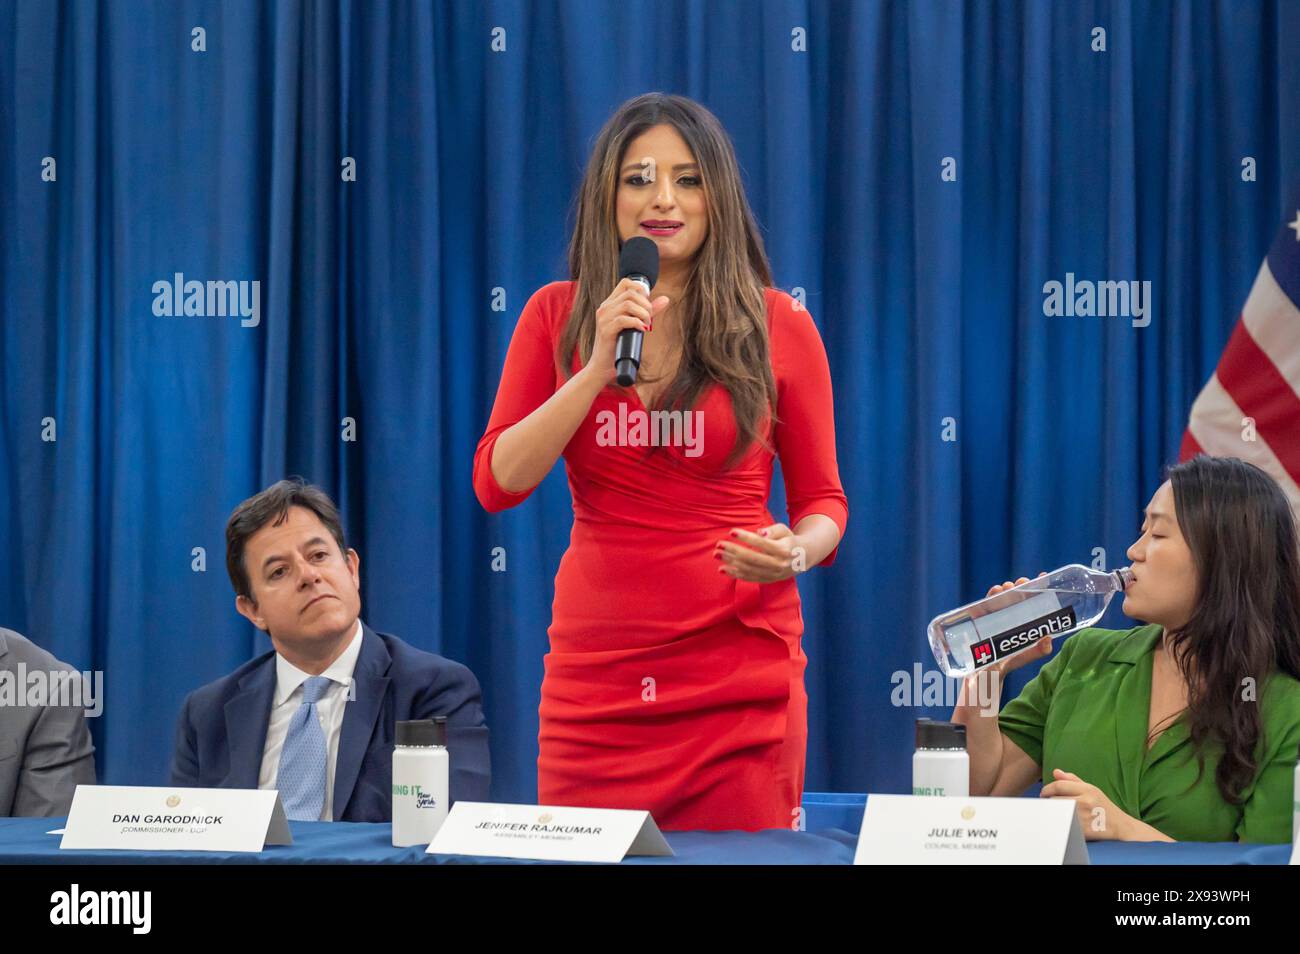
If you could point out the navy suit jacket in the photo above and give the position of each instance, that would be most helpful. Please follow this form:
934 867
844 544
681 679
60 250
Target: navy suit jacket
221 731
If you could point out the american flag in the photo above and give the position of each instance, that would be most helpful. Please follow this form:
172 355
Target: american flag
1250 408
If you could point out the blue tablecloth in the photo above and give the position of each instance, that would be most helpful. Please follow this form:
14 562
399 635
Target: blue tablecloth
832 821
23 841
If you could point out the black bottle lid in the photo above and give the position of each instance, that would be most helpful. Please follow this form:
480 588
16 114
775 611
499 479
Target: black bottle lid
939 735
424 732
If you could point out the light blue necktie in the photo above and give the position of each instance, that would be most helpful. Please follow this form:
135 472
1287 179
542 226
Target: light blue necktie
301 777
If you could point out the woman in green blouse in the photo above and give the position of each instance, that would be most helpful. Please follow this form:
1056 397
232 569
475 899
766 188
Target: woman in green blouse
1188 728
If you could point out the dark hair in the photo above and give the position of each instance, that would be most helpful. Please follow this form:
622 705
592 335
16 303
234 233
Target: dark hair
272 506
1242 533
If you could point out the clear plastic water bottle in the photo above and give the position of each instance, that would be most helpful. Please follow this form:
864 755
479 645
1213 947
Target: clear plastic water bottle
979 634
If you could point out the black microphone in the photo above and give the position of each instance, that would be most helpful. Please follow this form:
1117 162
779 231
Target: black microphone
638 260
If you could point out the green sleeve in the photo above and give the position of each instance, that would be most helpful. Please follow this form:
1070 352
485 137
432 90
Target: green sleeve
1022 719
1266 815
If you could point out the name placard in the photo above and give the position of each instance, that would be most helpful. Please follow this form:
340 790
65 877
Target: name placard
951 830
548 833
1295 830
147 818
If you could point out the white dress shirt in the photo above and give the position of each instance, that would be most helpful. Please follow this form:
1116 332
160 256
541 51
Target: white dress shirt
329 710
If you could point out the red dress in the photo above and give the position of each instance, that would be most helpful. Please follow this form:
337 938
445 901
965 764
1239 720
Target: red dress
670 686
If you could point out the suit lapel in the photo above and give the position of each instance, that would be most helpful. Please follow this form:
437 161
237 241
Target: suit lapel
247 715
370 678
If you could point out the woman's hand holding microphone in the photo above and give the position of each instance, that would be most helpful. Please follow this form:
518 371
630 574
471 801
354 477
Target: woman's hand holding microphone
628 306
526 451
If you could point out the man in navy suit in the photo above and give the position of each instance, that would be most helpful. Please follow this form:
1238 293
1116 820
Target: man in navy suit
315 718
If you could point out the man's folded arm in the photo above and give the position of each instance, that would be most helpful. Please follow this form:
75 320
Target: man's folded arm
58 757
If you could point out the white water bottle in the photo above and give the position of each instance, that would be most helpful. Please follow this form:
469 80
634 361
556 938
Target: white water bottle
421 768
979 634
940 765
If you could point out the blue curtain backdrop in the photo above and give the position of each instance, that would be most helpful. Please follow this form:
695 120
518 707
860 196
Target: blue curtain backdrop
390 300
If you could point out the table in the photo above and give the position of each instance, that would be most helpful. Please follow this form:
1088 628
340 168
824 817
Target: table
831 820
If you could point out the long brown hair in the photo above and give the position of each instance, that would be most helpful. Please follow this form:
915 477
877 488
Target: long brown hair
723 309
1242 533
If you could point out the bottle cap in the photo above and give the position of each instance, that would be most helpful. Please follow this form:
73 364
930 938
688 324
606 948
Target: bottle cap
440 731
419 732
939 735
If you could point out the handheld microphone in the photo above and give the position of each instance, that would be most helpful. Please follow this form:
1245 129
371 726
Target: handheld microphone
639 260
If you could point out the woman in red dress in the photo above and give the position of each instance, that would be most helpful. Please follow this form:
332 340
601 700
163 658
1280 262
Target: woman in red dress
674 682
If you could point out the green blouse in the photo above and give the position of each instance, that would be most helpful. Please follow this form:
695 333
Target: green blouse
1087 709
